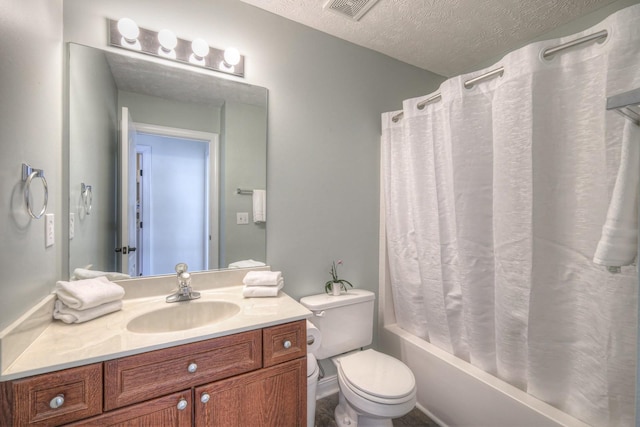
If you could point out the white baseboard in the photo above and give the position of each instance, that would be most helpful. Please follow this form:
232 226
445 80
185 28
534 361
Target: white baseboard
327 386
430 415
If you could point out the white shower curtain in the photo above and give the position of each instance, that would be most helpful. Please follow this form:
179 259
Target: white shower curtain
495 197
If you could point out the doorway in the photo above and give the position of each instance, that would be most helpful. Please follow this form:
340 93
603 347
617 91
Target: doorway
176 199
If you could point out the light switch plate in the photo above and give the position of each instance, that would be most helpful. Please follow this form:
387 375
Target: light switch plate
49 230
242 218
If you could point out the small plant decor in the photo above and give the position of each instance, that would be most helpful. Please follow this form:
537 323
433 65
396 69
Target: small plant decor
335 285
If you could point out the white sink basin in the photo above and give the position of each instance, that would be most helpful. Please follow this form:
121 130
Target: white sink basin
183 315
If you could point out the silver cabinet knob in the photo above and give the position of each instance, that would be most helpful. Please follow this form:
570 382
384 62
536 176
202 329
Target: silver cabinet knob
57 401
287 344
204 398
182 405
192 367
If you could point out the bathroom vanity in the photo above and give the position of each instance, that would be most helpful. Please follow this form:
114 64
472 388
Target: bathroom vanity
249 369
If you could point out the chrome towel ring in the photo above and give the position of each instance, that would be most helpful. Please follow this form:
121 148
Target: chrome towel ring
28 173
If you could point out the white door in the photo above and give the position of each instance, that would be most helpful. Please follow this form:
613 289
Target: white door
128 193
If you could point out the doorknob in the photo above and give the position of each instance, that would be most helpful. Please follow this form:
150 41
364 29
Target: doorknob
125 249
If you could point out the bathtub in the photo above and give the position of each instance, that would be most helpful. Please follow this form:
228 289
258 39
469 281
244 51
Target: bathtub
455 393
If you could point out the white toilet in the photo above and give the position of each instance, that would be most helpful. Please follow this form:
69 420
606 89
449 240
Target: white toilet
374 387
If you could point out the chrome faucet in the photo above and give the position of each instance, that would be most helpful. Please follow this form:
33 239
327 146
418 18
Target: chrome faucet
185 292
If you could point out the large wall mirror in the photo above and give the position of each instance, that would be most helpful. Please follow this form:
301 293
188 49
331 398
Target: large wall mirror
156 156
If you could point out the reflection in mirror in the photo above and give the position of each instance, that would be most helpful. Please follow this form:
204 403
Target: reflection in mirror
164 150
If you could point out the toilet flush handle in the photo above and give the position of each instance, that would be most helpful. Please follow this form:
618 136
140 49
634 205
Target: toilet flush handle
318 313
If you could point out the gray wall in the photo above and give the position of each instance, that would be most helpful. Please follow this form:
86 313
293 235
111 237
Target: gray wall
325 100
164 112
244 151
93 142
31 87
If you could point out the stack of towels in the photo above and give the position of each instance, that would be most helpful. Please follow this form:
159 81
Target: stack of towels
82 300
262 284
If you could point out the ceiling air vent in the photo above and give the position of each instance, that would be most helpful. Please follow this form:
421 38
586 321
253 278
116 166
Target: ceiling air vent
353 9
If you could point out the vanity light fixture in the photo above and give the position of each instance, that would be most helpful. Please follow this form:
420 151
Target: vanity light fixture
126 34
200 50
129 31
168 42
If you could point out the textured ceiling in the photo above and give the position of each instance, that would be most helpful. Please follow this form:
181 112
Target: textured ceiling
448 37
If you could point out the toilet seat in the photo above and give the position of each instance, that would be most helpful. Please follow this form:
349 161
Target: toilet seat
377 377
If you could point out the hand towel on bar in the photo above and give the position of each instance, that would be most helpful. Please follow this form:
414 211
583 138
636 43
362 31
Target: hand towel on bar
618 245
261 291
69 315
259 206
85 273
88 293
263 278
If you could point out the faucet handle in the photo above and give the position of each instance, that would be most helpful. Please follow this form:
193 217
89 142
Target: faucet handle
181 268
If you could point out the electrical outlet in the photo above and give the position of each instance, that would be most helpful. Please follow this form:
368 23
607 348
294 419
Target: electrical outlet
72 225
49 230
242 217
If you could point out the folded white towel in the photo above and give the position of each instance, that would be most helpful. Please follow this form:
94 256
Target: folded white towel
261 291
259 206
69 315
85 273
247 263
263 278
88 293
618 245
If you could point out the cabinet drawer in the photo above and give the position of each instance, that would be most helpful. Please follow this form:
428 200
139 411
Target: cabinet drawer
144 376
80 390
284 342
174 410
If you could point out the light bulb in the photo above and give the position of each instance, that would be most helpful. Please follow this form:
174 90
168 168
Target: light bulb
231 56
130 32
168 42
200 49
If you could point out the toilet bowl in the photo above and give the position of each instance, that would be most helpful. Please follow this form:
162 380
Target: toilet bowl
374 388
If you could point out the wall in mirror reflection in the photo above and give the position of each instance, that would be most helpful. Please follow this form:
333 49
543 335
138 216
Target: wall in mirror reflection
179 227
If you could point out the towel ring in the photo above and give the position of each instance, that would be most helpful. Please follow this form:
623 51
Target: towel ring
87 197
28 173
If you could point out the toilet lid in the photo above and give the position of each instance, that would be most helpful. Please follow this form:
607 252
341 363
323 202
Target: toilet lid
378 374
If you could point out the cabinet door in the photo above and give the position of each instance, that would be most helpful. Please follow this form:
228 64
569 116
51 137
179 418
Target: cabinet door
174 410
275 396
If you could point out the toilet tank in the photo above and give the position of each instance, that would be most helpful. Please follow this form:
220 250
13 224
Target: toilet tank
345 321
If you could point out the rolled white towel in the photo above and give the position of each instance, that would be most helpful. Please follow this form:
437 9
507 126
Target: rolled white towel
261 291
263 278
68 315
88 293
85 273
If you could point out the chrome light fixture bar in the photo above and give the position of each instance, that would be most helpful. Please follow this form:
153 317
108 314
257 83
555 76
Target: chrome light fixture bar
125 34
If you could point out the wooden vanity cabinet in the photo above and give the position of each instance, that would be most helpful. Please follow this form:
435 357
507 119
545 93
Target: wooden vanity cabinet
163 411
275 396
255 378
52 399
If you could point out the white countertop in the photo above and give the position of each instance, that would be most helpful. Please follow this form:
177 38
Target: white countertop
62 345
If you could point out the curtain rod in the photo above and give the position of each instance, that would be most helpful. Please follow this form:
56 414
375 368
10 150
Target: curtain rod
547 53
